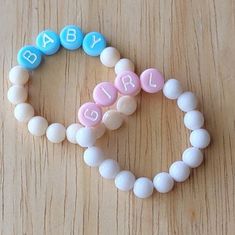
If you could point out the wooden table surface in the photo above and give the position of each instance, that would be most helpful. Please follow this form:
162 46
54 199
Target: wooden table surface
47 189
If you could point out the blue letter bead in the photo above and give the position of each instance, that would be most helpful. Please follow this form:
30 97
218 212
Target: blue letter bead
71 37
48 42
29 57
94 43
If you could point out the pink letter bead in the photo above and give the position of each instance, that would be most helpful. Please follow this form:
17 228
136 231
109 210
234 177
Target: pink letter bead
90 114
151 80
105 94
128 83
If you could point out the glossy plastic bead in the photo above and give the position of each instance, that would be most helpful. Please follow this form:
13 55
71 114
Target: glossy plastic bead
99 130
105 94
143 187
163 182
109 57
18 75
29 57
151 80
23 112
187 101
93 156
125 180
71 132
193 120
94 43
179 171
172 89
17 94
90 114
71 37
112 119
86 137
56 133
37 126
200 138
48 42
126 105
109 168
128 83
193 157
124 65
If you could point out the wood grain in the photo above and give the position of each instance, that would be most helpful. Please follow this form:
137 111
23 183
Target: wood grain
47 189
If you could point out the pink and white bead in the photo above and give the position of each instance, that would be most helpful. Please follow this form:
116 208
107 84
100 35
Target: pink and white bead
128 83
105 94
90 114
151 80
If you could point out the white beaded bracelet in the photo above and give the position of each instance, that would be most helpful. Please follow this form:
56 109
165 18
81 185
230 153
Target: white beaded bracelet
179 171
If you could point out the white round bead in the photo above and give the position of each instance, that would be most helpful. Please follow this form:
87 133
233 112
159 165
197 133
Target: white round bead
17 94
124 65
86 137
71 132
126 105
109 56
172 89
143 187
56 133
193 157
99 130
125 180
193 120
179 171
23 112
109 168
200 138
37 126
112 119
18 75
93 156
187 101
163 182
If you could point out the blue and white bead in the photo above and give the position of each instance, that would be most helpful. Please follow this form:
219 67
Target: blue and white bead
29 57
48 42
94 43
71 37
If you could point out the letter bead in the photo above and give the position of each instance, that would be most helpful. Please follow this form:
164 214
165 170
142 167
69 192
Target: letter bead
105 94
48 42
29 57
94 43
128 83
151 80
71 37
90 114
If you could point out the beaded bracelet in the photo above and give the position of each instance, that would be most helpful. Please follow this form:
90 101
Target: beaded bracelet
48 43
105 94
